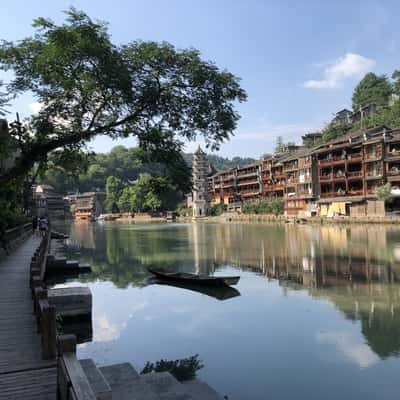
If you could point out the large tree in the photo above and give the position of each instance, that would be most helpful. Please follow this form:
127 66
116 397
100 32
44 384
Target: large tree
88 86
372 89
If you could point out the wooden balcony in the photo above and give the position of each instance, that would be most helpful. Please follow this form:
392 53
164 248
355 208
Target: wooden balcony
248 193
290 168
355 157
358 192
393 153
278 187
371 191
355 175
332 161
246 174
373 175
339 177
369 157
332 194
394 172
252 182
325 178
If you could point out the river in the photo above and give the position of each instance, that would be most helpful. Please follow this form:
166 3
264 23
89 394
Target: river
316 314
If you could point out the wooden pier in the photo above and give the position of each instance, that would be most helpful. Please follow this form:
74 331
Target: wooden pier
24 374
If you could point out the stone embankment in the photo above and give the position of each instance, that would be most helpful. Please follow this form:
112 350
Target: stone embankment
236 217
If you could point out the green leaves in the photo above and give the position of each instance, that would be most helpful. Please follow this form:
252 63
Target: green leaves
89 86
384 192
372 89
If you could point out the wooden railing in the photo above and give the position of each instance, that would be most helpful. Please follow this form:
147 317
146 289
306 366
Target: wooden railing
393 153
354 157
373 174
45 313
326 177
354 174
358 192
332 160
13 237
72 383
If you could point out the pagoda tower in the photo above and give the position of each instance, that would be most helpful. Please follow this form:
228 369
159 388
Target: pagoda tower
200 168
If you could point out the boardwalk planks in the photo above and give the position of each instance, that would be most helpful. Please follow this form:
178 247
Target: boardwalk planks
23 372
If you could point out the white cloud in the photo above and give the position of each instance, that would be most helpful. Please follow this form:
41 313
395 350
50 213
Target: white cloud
35 107
350 347
347 67
105 331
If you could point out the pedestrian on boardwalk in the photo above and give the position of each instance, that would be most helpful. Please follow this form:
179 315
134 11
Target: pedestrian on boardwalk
43 225
34 224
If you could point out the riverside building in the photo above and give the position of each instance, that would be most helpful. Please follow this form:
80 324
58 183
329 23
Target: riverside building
339 177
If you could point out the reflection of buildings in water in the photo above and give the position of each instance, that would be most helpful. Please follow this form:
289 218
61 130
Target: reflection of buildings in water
352 267
203 264
83 232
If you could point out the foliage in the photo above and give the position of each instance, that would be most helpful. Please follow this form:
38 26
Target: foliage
384 192
10 206
220 163
183 211
396 83
148 194
217 209
88 86
273 206
372 89
184 369
386 116
114 189
331 132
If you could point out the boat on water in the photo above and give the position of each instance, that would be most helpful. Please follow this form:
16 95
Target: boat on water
223 292
107 217
184 277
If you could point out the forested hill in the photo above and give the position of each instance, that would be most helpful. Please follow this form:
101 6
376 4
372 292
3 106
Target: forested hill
124 164
220 163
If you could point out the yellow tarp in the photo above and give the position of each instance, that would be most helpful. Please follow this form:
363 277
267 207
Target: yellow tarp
332 209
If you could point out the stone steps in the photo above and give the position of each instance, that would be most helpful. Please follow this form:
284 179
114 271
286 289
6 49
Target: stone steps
122 382
99 385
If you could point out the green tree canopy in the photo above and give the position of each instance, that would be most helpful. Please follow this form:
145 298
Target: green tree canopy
372 89
114 189
149 193
88 86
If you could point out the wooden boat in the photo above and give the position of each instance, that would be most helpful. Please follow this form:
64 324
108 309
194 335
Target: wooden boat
222 292
184 277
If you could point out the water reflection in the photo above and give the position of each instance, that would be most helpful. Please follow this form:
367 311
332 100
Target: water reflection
354 268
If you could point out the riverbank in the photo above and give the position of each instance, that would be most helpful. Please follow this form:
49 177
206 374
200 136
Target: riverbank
281 219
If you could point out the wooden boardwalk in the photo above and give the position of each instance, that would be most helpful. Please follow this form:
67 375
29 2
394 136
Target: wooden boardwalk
23 372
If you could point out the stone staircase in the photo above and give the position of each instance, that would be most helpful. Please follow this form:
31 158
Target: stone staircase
122 382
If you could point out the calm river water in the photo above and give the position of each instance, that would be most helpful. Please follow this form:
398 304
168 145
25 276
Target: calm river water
316 314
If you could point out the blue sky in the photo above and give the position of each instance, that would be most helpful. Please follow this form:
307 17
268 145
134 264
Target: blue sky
299 61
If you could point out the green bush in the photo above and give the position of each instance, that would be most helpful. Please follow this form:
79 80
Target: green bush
217 209
273 206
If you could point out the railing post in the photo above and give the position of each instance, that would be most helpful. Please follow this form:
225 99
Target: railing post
48 330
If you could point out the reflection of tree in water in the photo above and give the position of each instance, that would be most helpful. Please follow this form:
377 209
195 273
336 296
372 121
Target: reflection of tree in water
184 369
356 269
122 255
382 331
376 306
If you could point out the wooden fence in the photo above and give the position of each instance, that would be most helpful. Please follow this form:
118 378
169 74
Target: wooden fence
13 237
72 383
